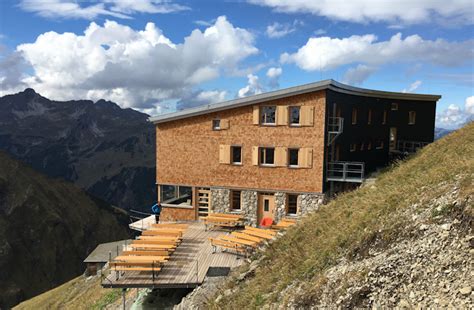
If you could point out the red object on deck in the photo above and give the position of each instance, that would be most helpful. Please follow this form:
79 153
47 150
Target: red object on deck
266 222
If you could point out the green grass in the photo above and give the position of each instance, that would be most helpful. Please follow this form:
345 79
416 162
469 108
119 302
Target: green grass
370 215
109 298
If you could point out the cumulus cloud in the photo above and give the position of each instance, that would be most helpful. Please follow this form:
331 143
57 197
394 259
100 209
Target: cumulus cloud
12 66
413 86
253 87
115 8
357 75
326 53
454 116
198 98
278 30
393 12
133 68
273 75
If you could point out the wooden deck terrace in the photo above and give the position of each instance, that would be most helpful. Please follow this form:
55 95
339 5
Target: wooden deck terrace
187 266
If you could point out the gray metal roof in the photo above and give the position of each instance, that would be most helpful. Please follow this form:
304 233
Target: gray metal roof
101 252
287 92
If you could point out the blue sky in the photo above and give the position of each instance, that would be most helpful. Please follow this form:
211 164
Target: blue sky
157 56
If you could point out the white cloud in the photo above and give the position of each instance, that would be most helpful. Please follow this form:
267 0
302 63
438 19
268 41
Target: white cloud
253 87
357 75
325 53
115 8
133 68
469 105
200 98
393 12
454 116
413 86
319 32
277 30
273 75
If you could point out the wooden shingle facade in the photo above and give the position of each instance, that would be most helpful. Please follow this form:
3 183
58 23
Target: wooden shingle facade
278 154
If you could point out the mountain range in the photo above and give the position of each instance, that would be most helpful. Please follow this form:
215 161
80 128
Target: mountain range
47 228
102 148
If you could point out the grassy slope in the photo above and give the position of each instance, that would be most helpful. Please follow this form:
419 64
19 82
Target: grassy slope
78 293
347 225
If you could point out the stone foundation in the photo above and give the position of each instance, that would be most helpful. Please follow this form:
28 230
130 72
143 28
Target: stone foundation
309 202
220 200
249 207
280 206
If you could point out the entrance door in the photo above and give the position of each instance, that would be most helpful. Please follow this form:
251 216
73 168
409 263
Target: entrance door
393 138
266 206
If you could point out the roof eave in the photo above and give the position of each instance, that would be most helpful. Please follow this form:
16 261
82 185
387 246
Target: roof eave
287 92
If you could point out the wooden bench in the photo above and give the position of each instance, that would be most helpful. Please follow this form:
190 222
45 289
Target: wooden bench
170 225
168 247
138 259
151 232
223 220
146 253
158 237
148 241
233 239
226 215
242 235
227 245
284 224
268 232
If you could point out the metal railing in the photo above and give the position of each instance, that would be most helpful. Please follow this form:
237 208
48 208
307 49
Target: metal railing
335 127
409 146
345 171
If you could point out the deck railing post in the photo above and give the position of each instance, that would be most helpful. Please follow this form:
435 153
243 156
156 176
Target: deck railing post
153 271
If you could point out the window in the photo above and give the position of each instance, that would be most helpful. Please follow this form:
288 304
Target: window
293 157
353 147
236 154
176 195
216 124
236 200
369 145
379 145
384 118
411 117
292 204
267 115
362 146
267 156
394 106
266 205
354 116
294 116
369 117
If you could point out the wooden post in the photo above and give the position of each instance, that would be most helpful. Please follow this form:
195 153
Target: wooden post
153 271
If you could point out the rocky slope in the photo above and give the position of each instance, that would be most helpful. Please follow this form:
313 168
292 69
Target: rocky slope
47 227
405 240
104 149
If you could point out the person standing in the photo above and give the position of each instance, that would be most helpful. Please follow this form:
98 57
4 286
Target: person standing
156 209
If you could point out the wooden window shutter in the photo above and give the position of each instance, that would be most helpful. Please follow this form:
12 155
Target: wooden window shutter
281 156
305 157
256 115
255 155
307 115
224 154
282 115
224 124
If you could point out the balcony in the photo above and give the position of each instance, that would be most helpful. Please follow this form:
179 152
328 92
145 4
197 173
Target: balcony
408 147
345 171
335 127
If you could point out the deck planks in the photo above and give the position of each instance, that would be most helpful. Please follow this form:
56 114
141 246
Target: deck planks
187 266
